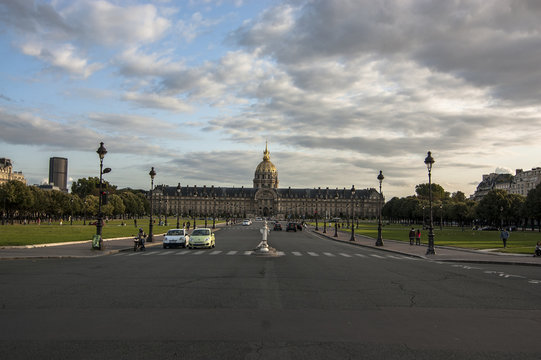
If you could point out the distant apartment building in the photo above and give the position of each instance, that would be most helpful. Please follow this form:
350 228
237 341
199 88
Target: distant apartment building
58 173
525 181
7 173
520 183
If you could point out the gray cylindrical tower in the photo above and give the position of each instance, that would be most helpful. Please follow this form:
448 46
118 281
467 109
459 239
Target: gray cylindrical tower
58 172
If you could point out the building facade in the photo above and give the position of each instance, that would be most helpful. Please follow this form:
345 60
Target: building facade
520 183
7 173
266 199
58 173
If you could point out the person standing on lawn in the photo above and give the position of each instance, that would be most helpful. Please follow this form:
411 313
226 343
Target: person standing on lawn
504 235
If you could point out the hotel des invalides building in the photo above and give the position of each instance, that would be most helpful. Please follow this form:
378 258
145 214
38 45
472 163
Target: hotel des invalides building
265 199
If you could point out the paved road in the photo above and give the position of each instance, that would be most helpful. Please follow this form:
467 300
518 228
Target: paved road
318 299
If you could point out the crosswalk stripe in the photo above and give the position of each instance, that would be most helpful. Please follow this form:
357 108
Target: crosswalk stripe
344 255
312 253
248 252
280 253
198 252
360 255
164 253
132 254
377 256
232 252
395 257
216 252
182 252
296 253
329 254
147 253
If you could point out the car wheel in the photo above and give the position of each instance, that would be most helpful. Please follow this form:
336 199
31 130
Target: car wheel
165 247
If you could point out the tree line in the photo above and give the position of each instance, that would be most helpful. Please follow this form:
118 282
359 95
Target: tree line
21 202
497 209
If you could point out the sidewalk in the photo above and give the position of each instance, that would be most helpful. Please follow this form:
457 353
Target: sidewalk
79 249
443 253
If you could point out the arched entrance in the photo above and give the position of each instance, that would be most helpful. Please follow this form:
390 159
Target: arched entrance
265 202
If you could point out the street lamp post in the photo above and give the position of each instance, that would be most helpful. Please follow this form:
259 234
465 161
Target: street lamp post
352 213
214 211
325 215
429 161
71 208
317 228
379 241
178 202
166 209
101 153
441 216
152 173
335 214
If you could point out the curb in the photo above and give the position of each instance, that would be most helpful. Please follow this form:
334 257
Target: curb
469 261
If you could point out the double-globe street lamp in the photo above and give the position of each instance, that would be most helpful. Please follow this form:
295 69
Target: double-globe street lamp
379 241
429 161
101 153
352 213
152 173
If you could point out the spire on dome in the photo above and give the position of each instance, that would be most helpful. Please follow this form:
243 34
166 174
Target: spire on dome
266 154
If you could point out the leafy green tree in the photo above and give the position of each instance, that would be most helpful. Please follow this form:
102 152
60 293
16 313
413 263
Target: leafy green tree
118 205
493 207
532 204
438 192
16 198
90 186
91 204
458 197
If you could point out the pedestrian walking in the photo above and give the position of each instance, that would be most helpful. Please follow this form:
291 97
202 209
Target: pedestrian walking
504 235
412 236
418 237
188 226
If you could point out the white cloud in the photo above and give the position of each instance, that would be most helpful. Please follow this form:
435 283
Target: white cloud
63 58
157 101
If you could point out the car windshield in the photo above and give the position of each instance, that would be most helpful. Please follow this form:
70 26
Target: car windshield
201 232
175 232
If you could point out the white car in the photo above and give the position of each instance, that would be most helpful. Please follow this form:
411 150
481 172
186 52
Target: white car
176 238
246 222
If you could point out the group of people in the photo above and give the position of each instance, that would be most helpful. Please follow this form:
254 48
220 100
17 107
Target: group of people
415 235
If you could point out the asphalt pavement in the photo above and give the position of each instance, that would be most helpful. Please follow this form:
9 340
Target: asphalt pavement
111 246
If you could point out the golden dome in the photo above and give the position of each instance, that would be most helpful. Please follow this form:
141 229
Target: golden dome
266 165
266 174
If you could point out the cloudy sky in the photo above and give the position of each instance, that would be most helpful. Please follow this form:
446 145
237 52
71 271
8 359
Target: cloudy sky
340 90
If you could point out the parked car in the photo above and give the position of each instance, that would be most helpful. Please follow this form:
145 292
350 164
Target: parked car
202 237
291 227
277 226
175 238
246 222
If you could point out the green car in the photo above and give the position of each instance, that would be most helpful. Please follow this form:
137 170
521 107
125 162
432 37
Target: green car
202 238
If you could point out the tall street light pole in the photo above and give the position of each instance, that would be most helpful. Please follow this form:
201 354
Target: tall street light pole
152 173
317 228
335 214
379 241
352 213
101 153
429 161
178 202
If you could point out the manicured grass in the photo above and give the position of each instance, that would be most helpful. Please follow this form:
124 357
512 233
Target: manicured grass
31 234
520 242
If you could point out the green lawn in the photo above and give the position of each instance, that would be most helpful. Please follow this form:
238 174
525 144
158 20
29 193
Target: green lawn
519 242
17 234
